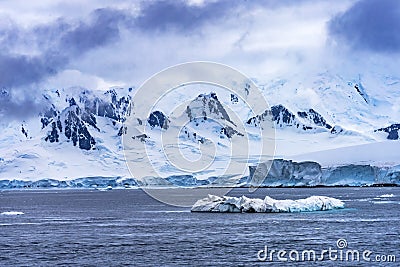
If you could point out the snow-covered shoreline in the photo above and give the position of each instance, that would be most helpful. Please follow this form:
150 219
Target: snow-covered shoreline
276 173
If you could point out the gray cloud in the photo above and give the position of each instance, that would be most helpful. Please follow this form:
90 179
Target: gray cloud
59 43
371 25
17 70
102 30
166 15
140 40
175 15
22 106
20 70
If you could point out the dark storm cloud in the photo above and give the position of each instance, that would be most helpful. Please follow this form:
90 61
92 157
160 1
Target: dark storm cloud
102 30
62 41
20 107
31 54
175 15
19 70
372 25
59 43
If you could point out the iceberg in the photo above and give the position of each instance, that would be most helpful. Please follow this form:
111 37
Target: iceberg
12 213
214 203
387 195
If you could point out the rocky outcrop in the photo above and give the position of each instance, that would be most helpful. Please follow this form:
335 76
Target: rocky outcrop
283 117
109 106
76 121
230 132
361 91
73 123
207 106
158 119
392 130
314 117
187 133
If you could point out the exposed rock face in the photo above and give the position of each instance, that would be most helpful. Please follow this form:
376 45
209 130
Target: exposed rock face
282 117
78 120
114 108
392 130
361 91
141 137
279 114
207 106
189 134
75 123
314 117
336 130
48 116
158 119
230 132
285 172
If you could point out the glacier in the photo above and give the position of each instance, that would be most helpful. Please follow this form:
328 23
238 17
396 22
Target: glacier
280 172
213 203
273 173
85 182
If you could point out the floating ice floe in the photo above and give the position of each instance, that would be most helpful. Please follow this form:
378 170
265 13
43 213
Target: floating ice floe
387 195
12 213
214 203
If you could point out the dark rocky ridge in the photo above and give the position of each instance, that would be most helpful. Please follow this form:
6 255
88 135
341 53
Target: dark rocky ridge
207 106
158 119
282 117
314 117
392 130
78 120
75 123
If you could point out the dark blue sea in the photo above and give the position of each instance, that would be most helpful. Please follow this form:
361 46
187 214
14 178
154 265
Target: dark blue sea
128 228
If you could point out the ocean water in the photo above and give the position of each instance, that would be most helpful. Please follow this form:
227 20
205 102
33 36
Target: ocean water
129 228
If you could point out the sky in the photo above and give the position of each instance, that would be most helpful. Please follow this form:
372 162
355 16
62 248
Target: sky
97 44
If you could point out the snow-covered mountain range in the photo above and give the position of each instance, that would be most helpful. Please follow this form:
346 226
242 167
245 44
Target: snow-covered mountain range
323 118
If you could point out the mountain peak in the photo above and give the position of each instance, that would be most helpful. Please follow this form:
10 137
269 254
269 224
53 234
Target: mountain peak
207 106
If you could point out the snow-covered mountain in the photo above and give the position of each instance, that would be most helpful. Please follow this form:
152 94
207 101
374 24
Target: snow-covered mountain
79 133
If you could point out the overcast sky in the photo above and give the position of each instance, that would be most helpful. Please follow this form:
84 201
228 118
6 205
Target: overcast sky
98 43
